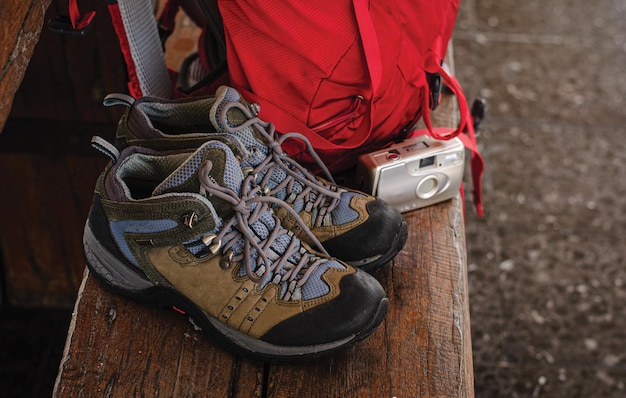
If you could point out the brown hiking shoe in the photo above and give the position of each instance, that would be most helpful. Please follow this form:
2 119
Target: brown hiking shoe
357 228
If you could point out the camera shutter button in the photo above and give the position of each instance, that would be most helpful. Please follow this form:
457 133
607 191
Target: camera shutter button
393 156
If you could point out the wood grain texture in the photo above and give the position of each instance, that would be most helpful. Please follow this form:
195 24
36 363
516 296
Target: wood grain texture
20 27
116 347
69 76
62 80
43 212
119 348
423 348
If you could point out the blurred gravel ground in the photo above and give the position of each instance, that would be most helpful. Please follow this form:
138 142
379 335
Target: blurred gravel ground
547 262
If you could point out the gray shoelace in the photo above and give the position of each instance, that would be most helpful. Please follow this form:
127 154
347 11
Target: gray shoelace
324 199
249 207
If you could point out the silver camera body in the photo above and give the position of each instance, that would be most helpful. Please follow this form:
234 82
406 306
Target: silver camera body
415 173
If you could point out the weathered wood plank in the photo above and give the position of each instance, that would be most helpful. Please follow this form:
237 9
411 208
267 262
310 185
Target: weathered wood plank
20 27
43 212
423 347
120 348
48 192
68 76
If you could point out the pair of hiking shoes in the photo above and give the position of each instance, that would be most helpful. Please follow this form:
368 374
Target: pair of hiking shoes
200 210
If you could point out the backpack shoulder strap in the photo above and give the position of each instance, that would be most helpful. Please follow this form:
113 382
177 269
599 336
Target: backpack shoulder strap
433 65
137 31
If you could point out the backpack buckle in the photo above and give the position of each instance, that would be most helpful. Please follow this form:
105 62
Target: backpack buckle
478 112
434 89
67 25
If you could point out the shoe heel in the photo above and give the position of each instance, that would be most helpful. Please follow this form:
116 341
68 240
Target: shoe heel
111 271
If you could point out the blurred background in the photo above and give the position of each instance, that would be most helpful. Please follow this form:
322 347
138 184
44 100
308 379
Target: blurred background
546 263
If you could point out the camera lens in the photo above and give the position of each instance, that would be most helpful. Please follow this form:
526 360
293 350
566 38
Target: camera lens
427 187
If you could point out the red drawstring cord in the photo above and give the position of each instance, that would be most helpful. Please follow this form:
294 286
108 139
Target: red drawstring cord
79 22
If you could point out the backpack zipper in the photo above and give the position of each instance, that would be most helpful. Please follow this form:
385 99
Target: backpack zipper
344 117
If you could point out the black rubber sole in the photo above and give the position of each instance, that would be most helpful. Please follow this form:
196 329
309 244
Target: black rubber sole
221 334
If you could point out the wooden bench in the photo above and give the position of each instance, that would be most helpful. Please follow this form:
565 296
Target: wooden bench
22 22
119 348
116 347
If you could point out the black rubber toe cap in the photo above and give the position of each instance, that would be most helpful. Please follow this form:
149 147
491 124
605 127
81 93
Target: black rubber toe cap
358 310
374 237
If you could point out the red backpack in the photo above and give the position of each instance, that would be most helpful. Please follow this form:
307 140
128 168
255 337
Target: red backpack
352 76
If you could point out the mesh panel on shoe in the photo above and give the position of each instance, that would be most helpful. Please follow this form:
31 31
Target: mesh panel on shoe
137 175
149 167
232 172
227 95
315 286
184 172
278 175
318 289
343 213
262 228
236 117
188 169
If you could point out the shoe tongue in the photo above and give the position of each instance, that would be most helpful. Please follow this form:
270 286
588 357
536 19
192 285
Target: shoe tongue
235 117
256 147
225 170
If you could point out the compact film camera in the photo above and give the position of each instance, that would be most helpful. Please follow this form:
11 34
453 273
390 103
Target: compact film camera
415 173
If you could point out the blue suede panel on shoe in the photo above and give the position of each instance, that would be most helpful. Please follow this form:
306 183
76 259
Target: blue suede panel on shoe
120 228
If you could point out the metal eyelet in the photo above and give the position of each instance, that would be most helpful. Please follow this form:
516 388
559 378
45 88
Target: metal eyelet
226 261
190 219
